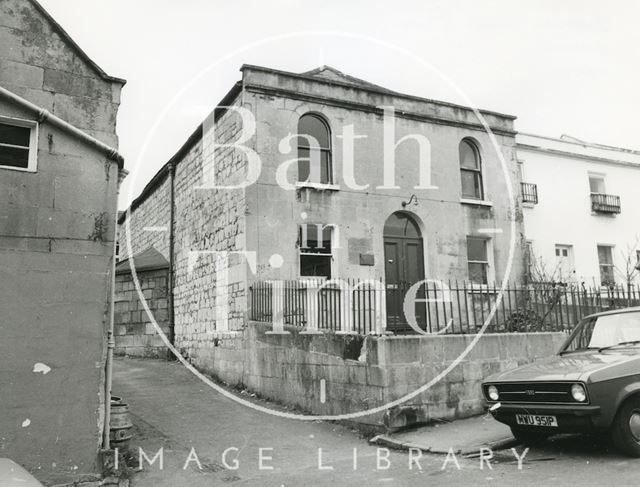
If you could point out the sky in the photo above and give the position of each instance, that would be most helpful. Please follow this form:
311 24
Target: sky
561 66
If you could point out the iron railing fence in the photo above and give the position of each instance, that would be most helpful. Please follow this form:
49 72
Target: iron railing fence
349 305
605 203
529 193
445 307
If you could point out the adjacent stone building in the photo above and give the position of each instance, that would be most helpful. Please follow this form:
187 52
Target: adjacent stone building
59 174
324 205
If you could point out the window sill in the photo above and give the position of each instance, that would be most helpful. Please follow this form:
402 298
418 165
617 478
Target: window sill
305 279
317 186
20 169
466 201
482 289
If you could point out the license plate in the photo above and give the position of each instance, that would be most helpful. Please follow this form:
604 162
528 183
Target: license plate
536 420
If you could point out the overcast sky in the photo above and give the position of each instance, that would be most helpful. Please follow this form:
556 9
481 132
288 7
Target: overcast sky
562 67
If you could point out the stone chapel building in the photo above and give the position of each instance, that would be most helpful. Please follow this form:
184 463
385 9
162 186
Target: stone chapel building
314 208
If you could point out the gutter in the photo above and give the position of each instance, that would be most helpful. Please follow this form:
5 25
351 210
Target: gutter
575 141
43 115
576 155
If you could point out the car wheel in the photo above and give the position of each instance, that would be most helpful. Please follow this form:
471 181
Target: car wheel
625 431
529 437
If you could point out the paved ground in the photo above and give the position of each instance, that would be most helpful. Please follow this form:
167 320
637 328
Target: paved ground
175 411
464 436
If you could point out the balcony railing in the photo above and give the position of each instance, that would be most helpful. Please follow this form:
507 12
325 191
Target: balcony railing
605 203
529 193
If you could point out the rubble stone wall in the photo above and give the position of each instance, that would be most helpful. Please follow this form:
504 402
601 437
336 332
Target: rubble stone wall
209 220
146 223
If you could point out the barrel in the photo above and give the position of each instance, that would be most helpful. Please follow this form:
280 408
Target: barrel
120 424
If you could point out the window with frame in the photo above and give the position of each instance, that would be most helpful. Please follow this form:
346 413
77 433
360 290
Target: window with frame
18 144
596 184
314 150
521 170
478 260
471 170
605 261
315 250
565 265
529 258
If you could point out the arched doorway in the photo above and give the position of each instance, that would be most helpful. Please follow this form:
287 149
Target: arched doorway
403 267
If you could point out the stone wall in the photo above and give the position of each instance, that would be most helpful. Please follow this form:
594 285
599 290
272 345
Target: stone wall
39 64
144 224
274 214
135 335
207 220
56 247
369 372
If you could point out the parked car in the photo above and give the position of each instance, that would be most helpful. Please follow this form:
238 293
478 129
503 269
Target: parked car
592 385
13 475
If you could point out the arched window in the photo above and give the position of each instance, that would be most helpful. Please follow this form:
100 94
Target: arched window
471 170
314 150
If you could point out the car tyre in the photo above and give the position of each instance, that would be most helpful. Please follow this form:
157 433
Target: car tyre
529 437
625 431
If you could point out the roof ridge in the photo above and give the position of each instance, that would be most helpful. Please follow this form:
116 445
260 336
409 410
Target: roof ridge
65 35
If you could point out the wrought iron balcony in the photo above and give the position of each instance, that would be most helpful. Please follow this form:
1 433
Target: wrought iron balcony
529 193
605 203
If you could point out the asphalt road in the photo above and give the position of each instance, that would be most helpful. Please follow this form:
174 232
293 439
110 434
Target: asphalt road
195 426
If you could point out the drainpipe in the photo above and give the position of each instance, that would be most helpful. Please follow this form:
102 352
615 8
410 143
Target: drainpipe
170 278
111 343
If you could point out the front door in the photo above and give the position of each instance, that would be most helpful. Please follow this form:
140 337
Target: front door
404 266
